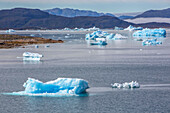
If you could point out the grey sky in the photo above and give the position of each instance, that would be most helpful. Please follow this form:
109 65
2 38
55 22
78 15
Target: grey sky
112 6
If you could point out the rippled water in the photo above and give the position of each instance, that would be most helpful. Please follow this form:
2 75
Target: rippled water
119 61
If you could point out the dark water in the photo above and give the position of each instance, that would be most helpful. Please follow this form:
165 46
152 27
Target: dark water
119 61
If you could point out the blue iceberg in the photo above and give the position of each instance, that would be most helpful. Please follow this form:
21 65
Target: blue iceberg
150 32
60 86
96 34
110 36
98 41
151 42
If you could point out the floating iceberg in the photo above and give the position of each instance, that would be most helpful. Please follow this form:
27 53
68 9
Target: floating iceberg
96 34
10 30
126 85
138 39
110 36
119 37
131 28
151 42
98 41
32 56
118 28
99 37
66 29
150 32
93 29
60 86
32 35
139 28
46 46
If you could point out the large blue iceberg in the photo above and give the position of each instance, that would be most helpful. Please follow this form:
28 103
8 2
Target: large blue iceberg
150 32
96 34
103 36
60 86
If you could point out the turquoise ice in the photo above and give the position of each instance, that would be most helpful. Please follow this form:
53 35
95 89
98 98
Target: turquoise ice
150 32
60 85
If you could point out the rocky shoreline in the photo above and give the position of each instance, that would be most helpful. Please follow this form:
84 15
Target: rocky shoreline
13 41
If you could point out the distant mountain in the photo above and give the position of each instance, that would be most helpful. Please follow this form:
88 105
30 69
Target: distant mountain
21 18
127 14
67 12
125 17
165 13
152 16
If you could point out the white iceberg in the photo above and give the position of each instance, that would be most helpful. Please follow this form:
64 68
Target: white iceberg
131 28
60 86
150 32
126 85
32 56
98 41
119 37
93 29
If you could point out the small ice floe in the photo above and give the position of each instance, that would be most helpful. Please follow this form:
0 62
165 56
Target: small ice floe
32 35
66 36
118 28
60 86
139 39
32 56
10 30
93 29
151 42
126 85
47 46
36 46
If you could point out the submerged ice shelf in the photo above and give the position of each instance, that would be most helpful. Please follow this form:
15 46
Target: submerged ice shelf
59 87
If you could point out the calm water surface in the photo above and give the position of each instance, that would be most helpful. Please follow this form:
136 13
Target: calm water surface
119 61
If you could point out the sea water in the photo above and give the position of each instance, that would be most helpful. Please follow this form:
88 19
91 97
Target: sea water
120 61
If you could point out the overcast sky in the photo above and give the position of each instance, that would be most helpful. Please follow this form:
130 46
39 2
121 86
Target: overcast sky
111 6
